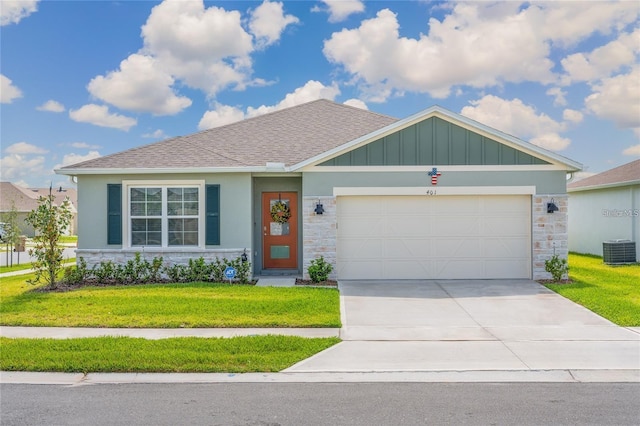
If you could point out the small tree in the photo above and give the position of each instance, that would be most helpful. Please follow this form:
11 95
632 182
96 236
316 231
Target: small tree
11 228
49 222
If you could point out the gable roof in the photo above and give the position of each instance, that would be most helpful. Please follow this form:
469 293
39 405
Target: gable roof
288 136
451 117
627 174
26 199
286 140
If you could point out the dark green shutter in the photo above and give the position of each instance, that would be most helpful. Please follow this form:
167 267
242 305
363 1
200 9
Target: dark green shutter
212 226
114 214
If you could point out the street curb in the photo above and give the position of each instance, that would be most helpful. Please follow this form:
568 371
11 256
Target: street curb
502 376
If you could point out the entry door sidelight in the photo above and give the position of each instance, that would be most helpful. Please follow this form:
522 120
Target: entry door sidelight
280 230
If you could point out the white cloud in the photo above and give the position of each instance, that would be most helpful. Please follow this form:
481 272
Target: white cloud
83 145
73 158
268 21
12 11
339 10
559 96
158 134
617 99
19 166
24 148
139 85
226 114
633 151
311 91
220 116
99 115
356 103
8 92
206 48
516 118
477 44
604 60
572 116
51 106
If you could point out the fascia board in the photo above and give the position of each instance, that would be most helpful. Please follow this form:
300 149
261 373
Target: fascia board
604 186
146 171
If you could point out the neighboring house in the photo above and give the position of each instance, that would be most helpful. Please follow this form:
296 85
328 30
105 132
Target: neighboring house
605 207
434 195
26 199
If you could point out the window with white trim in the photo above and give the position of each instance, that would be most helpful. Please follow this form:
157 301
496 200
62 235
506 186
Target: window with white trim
164 216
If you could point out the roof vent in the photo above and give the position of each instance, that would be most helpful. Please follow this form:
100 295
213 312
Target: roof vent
616 252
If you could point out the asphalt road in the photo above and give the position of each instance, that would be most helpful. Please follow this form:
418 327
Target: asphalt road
322 404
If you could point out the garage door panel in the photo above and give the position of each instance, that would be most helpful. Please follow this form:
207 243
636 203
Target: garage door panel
505 226
447 237
363 248
362 227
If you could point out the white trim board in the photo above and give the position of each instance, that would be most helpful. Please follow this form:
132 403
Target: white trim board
434 190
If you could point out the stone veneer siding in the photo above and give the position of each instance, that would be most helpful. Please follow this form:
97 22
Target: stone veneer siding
320 233
169 257
549 234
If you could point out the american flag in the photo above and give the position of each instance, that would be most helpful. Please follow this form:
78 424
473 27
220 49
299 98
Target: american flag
434 173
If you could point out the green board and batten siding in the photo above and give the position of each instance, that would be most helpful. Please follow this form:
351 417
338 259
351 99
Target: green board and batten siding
433 142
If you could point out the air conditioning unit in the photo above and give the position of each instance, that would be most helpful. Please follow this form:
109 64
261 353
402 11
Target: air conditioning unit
616 252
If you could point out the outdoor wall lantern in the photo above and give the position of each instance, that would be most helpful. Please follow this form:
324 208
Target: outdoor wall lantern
244 256
551 206
319 208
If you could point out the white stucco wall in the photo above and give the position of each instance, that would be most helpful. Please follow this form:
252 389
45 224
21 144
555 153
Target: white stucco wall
605 214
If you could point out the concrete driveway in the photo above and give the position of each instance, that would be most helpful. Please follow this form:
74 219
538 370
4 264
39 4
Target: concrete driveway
470 325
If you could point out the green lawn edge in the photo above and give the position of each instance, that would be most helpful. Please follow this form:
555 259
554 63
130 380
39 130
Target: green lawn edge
245 354
611 291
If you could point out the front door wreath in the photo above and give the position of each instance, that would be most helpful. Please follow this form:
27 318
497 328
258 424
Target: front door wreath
280 212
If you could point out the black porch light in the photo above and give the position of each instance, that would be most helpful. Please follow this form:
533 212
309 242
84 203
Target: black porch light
551 206
319 208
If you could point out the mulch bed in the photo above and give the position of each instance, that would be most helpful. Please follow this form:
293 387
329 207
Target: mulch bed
328 283
543 282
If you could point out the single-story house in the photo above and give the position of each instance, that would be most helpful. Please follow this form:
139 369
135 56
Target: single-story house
24 200
433 195
605 207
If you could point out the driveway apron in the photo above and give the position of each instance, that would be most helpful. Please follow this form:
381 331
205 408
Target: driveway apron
461 325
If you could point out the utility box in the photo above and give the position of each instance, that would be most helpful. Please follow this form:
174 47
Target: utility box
615 252
21 244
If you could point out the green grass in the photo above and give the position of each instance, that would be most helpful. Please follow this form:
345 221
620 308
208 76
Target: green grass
610 291
67 239
175 355
169 306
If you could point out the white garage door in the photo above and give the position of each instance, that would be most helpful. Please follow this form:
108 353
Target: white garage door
428 237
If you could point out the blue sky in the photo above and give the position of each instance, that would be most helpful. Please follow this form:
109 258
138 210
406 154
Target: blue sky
80 79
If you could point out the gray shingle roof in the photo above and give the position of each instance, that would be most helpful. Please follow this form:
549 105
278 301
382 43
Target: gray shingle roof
629 172
287 136
26 199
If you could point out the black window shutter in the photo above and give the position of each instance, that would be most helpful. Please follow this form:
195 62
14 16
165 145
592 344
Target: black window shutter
114 214
212 226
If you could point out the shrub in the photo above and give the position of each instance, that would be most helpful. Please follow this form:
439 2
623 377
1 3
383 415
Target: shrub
76 274
104 272
319 270
556 267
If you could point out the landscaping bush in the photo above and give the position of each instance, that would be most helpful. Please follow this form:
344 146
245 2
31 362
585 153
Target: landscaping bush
319 270
141 271
556 267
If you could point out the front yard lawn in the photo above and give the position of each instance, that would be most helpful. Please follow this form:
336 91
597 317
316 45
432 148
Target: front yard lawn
610 291
168 306
176 355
